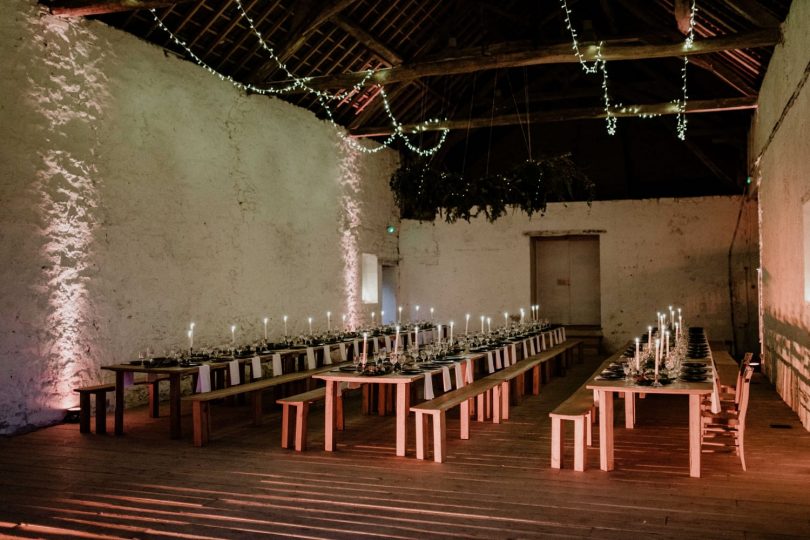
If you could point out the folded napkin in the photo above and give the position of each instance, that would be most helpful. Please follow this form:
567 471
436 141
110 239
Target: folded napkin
343 356
204 379
277 369
429 386
388 342
498 362
448 385
311 362
256 367
459 375
490 367
356 349
525 348
532 346
469 371
233 368
514 353
327 355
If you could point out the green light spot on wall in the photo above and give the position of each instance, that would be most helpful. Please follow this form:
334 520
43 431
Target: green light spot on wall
748 180
391 229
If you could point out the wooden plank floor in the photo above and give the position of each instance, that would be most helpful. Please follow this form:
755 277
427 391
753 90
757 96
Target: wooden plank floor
56 483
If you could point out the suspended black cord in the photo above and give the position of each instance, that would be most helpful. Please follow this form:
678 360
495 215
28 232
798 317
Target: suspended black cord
491 120
519 115
467 135
528 112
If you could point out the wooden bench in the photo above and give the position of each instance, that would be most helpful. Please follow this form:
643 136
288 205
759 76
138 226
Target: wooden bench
301 403
579 408
591 336
518 371
201 410
438 407
100 391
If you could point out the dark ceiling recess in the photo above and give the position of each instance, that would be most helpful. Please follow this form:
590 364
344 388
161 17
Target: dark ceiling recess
502 72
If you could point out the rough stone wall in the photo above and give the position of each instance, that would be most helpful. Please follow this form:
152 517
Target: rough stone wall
652 253
780 144
140 193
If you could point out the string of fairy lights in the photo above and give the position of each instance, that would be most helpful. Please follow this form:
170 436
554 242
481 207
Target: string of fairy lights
297 84
323 98
600 66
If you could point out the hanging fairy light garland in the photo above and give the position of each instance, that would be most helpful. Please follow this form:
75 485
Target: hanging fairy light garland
599 65
680 125
301 83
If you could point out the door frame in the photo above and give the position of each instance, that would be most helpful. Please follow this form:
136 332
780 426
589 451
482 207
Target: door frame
532 235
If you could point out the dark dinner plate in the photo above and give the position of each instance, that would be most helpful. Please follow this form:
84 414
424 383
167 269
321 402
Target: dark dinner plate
695 364
454 357
692 379
347 369
612 375
411 371
444 361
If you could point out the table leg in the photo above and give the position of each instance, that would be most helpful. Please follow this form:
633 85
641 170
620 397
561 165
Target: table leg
606 430
119 403
694 435
403 395
176 430
629 410
329 417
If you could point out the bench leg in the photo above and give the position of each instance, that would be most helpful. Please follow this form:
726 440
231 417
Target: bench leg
285 425
154 399
496 404
479 406
465 419
505 400
256 406
421 430
536 380
84 412
579 444
557 434
301 414
101 413
589 428
201 418
439 437
339 412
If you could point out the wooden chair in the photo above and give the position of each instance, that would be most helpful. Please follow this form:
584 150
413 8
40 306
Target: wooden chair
729 422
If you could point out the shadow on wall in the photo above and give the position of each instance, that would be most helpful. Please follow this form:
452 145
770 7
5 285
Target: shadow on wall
787 346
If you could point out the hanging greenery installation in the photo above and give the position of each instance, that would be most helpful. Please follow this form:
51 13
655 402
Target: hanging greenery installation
423 192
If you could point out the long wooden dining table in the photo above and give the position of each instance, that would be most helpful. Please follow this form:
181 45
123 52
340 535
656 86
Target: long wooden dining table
175 374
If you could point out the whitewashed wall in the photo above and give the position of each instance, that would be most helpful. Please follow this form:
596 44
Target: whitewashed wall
652 253
140 193
780 147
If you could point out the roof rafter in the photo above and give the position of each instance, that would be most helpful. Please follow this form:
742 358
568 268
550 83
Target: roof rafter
85 8
550 54
565 115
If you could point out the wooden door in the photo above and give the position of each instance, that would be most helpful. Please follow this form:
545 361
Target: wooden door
567 279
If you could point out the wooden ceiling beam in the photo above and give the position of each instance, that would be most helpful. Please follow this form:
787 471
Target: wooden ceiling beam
85 8
551 54
566 115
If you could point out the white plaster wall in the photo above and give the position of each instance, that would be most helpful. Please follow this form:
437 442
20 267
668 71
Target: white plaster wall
653 253
782 171
140 193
